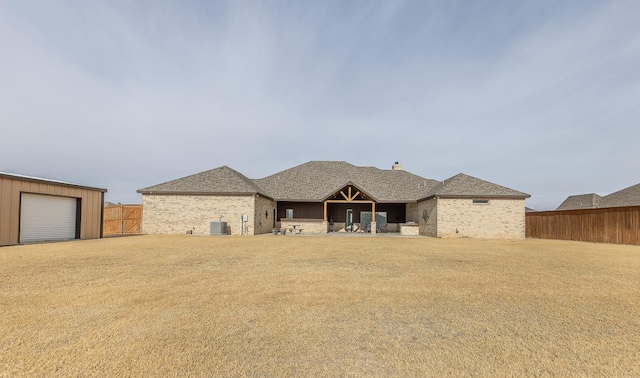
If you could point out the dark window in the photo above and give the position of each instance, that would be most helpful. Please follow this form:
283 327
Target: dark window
480 201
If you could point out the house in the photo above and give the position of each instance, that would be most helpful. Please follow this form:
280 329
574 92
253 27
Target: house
581 201
35 209
326 196
626 197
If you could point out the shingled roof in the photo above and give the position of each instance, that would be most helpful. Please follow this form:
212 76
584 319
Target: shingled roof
464 186
581 201
222 180
626 197
315 181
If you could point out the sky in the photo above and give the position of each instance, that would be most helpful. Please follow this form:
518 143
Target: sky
539 96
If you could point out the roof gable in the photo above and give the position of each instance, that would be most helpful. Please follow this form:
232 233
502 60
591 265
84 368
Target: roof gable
349 192
222 180
315 180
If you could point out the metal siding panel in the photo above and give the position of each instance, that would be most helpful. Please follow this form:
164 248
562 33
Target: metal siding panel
87 214
44 218
91 214
16 187
5 213
84 214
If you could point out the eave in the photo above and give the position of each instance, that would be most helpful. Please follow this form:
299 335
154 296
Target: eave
48 182
178 193
468 196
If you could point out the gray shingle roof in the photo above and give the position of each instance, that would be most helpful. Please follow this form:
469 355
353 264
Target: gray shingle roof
626 197
581 201
316 180
222 180
462 185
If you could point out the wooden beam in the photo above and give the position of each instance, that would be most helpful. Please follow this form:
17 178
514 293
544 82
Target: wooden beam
344 195
355 195
325 211
350 198
345 201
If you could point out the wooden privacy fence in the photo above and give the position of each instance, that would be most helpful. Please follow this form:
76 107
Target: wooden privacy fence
122 220
619 225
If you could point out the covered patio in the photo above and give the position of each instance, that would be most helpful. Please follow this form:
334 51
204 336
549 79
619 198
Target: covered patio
348 209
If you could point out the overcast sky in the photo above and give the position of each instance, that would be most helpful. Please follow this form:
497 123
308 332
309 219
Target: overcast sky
539 96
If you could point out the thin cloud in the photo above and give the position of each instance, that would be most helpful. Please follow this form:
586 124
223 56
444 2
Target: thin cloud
541 97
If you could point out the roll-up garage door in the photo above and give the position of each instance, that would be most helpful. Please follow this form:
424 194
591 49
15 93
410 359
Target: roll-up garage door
44 218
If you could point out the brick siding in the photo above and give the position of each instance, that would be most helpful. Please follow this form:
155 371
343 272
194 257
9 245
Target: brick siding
499 219
171 214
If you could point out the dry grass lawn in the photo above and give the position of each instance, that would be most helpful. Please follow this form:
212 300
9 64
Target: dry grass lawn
319 306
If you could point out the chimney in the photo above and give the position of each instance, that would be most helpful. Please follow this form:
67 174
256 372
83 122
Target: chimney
396 167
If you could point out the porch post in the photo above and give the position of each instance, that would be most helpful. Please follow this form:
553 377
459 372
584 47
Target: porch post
373 218
325 224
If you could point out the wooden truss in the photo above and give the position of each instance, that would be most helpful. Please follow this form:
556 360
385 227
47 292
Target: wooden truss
352 195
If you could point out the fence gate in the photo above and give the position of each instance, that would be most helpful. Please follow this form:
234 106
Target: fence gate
122 220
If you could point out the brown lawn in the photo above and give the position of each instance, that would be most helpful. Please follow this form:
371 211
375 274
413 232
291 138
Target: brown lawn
319 306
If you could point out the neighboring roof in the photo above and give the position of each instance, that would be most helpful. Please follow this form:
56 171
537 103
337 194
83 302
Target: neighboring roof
626 197
14 176
581 201
529 210
108 204
316 180
222 180
464 186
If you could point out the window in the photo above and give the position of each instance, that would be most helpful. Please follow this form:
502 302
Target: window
480 201
289 214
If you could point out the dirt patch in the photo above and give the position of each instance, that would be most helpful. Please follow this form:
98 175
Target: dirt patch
278 306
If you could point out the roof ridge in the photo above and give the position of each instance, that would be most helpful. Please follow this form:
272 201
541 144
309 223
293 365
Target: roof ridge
244 178
223 179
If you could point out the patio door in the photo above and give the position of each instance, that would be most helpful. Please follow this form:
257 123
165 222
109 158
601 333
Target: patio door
349 222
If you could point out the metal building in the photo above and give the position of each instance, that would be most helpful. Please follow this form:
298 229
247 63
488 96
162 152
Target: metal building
38 210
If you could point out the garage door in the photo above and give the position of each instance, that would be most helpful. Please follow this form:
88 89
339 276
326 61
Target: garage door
44 218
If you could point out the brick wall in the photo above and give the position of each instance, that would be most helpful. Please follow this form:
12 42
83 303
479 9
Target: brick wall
310 226
499 219
426 215
169 214
412 213
263 215
410 230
